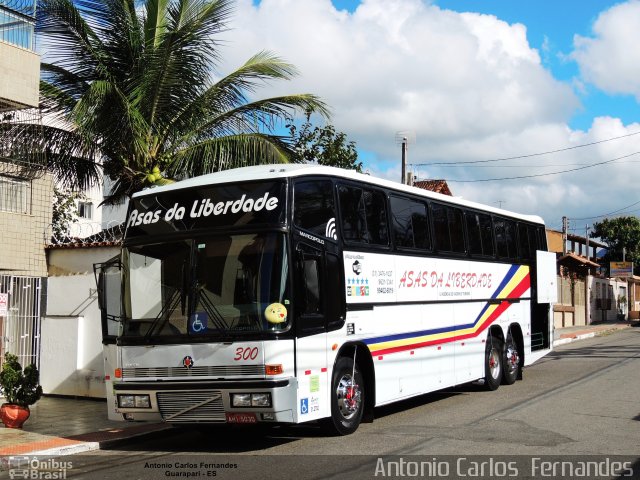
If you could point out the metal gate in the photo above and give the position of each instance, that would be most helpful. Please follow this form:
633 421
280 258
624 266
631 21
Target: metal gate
20 308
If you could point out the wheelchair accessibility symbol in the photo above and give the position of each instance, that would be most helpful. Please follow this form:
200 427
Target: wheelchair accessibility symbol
198 322
304 406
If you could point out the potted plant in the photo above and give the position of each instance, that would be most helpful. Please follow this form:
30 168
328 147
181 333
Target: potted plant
20 389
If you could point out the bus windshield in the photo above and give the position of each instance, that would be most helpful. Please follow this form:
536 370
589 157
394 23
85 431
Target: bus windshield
207 286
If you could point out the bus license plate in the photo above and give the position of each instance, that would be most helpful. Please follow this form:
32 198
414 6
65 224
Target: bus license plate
241 418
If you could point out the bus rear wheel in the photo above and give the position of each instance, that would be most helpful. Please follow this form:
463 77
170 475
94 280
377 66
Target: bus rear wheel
493 363
511 362
347 397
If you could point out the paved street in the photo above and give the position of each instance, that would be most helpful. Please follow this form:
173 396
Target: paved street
580 400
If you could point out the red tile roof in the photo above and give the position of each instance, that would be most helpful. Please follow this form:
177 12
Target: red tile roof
438 186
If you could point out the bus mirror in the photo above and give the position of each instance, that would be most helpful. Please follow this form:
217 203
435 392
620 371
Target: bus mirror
100 287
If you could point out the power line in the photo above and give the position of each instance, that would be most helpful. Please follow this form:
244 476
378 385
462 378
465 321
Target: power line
543 174
469 162
610 213
548 165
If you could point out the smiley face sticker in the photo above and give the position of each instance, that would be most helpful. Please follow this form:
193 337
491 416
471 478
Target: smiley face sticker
276 313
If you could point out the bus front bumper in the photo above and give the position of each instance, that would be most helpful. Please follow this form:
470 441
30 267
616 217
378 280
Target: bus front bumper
237 401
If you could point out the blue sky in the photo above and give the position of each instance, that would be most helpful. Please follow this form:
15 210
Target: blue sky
470 81
551 27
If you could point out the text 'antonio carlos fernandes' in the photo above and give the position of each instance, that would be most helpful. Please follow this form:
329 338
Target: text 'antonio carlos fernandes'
535 467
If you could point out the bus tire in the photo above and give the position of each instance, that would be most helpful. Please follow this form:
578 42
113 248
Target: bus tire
347 397
511 361
493 363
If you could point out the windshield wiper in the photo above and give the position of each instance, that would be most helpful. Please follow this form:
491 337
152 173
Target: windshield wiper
166 308
213 312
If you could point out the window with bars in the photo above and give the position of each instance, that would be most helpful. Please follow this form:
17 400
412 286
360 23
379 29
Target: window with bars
15 195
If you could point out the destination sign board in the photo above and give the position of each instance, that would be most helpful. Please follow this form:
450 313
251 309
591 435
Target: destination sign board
207 207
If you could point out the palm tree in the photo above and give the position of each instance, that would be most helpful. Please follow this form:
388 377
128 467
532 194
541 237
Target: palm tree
129 88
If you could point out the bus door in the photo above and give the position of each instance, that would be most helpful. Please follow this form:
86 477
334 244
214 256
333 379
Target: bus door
319 293
108 281
546 294
319 310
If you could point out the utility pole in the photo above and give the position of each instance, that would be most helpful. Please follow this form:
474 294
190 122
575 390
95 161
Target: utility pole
586 239
404 160
404 138
587 281
565 227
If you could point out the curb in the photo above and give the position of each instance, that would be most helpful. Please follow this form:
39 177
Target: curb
564 341
57 446
584 336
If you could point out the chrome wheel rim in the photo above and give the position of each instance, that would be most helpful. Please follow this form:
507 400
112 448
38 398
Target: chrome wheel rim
513 359
349 396
494 363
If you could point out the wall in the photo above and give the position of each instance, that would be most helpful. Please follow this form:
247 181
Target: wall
23 235
72 359
554 241
20 79
606 288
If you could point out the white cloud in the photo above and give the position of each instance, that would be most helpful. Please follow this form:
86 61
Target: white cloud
610 59
470 86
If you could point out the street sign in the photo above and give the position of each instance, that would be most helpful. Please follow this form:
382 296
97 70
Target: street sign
4 303
620 269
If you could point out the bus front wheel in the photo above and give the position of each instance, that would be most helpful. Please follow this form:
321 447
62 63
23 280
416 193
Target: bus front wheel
347 397
493 363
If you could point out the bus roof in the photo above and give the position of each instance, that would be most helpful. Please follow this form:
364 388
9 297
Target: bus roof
268 172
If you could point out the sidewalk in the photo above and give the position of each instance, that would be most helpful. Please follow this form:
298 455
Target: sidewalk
65 426
566 335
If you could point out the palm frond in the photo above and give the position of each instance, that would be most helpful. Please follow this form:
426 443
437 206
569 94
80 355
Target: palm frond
155 22
228 152
255 117
64 80
180 66
73 42
62 152
54 100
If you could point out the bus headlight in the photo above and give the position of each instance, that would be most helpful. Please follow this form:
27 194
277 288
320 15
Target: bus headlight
134 401
241 399
262 400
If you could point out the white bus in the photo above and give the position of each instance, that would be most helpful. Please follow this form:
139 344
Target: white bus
294 293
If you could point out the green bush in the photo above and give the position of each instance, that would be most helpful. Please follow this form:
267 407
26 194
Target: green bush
19 387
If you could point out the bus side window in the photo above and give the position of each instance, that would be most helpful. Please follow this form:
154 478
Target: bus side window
410 227
353 215
506 238
364 215
314 207
480 232
541 238
524 242
449 228
310 294
311 285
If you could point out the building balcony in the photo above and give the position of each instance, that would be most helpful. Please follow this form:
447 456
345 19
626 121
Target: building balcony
19 64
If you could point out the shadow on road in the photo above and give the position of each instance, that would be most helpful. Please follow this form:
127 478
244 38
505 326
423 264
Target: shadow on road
247 438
